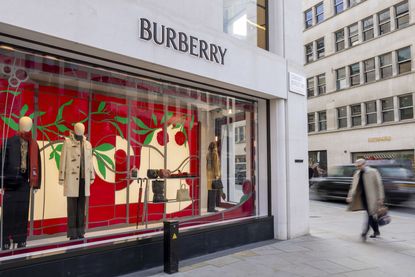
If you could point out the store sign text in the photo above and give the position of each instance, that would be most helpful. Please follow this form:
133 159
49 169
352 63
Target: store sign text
180 41
380 139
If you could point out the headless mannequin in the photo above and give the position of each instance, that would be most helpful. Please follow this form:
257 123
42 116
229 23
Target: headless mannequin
19 167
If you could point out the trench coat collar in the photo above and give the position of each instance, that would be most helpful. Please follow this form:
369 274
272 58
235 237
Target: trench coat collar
72 137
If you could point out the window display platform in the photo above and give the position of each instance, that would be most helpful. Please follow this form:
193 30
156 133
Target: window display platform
137 252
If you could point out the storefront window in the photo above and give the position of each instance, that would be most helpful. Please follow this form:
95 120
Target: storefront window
246 20
113 153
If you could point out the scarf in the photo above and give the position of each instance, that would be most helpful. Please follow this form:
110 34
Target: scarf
33 152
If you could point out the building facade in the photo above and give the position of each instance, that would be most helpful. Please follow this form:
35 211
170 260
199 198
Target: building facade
360 80
178 104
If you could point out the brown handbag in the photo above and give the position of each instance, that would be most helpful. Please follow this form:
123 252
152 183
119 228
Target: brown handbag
164 173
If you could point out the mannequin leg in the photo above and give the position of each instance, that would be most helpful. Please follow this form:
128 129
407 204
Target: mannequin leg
21 214
8 210
80 218
72 203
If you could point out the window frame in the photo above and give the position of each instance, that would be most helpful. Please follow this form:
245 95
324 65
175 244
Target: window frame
309 56
339 41
385 66
319 15
402 108
338 3
368 71
341 119
409 60
312 123
401 15
354 75
321 87
387 110
370 29
309 90
368 114
385 22
322 122
320 52
338 80
356 115
353 36
310 20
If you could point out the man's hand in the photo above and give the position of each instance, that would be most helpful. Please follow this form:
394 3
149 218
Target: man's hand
348 199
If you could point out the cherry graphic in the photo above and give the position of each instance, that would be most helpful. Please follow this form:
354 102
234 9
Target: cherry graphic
180 138
160 138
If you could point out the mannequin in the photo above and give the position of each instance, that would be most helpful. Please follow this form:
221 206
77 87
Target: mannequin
76 174
21 171
213 173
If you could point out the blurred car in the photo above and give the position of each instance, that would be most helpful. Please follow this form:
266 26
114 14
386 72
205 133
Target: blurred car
398 181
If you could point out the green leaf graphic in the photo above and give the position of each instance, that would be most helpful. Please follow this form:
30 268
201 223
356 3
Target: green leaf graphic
60 111
122 120
108 160
11 123
24 109
15 93
104 147
141 132
52 155
149 138
118 128
101 166
59 147
140 123
166 118
177 126
101 106
154 117
192 122
62 128
57 160
38 114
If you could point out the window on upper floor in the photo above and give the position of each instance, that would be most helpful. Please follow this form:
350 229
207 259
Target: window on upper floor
384 22
385 64
247 20
404 60
321 84
354 74
342 117
308 18
338 6
311 119
320 48
356 111
353 34
310 87
354 2
371 112
341 78
406 107
402 15
368 32
339 36
309 53
319 13
387 110
369 70
322 121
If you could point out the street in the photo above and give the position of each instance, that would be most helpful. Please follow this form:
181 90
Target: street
333 248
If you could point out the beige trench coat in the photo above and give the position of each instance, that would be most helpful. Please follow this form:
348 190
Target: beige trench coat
70 166
373 188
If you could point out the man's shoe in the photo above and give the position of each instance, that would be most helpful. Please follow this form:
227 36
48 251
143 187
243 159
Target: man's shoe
21 244
6 246
363 237
375 234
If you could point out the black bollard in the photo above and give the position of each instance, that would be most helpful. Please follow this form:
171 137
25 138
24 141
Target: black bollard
171 247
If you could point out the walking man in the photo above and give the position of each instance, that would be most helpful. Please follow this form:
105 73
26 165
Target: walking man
366 193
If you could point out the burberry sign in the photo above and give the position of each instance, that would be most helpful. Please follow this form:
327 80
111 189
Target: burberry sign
181 41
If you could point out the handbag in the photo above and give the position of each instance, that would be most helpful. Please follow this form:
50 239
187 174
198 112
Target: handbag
134 172
217 184
164 173
158 191
152 173
183 193
383 216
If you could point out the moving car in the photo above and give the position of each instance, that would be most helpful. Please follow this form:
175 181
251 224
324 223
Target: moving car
398 181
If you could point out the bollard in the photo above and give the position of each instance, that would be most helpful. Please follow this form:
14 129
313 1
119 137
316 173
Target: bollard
171 247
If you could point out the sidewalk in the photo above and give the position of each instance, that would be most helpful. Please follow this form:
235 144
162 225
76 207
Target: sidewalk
333 248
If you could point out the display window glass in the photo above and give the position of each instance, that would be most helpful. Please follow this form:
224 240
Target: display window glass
88 153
